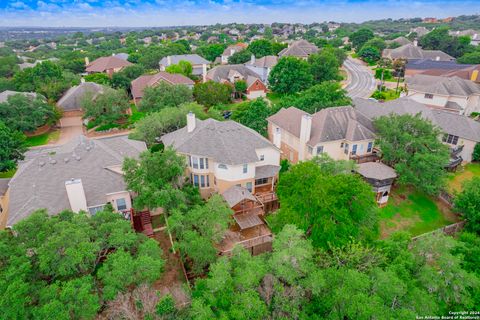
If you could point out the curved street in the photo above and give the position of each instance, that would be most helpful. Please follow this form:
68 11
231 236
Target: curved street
360 82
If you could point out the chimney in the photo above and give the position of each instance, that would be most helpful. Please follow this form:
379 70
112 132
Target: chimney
87 61
76 195
415 43
190 122
305 131
204 72
252 59
169 60
277 137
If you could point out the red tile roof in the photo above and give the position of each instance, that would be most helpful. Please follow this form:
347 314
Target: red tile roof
103 64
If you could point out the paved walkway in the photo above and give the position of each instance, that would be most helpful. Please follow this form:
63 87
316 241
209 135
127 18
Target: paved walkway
361 82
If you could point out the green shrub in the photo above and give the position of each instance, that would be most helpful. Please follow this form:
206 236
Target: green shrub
107 127
476 153
387 74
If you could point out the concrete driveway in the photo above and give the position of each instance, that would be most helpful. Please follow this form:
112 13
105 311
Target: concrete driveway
70 127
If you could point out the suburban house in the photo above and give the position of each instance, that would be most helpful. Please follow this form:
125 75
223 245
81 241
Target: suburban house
82 175
199 64
229 74
300 49
460 132
342 132
443 68
401 41
8 93
262 66
230 51
448 93
412 51
70 102
225 154
108 65
473 34
138 85
380 177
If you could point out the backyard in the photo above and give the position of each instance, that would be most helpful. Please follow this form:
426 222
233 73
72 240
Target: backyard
412 211
463 173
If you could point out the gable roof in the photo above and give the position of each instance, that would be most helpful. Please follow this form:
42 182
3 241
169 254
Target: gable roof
448 122
221 73
410 51
400 40
329 124
139 84
105 63
376 171
237 47
192 58
40 179
449 86
226 142
235 194
300 48
264 62
72 99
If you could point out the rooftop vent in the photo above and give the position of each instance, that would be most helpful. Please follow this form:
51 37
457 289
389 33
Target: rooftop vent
53 161
78 158
66 160
88 148
41 163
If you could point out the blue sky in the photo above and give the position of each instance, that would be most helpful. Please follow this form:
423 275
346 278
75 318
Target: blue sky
138 13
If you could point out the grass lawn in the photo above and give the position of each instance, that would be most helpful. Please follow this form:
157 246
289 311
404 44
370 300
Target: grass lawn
275 98
415 212
136 115
7 174
463 173
386 95
42 138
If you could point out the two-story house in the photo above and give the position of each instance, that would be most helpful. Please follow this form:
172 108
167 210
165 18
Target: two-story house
82 175
220 155
229 74
199 64
230 51
262 66
452 94
342 132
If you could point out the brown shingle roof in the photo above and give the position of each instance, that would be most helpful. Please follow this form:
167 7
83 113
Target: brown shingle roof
105 63
139 84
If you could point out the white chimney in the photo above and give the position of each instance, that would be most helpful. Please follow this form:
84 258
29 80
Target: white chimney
169 60
87 61
190 121
305 131
76 195
277 137
252 59
204 72
415 43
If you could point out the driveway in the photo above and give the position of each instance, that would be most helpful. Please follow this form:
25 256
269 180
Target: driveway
361 82
70 127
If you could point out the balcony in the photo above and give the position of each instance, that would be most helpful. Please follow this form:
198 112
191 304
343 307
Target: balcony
369 157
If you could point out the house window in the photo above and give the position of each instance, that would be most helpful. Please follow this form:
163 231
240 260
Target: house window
94 210
277 130
428 96
195 162
370 147
206 163
202 181
208 181
451 139
261 181
345 149
245 168
354 149
222 166
190 161
262 157
195 180
310 150
202 164
121 204
249 186
319 149
341 145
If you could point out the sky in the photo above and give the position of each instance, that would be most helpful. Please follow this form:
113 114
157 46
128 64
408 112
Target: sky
157 13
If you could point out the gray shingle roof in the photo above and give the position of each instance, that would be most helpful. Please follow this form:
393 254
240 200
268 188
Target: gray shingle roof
426 64
400 40
410 51
376 170
235 194
300 48
449 86
72 99
266 171
221 73
226 142
330 124
192 58
448 122
7 93
264 62
40 179
139 84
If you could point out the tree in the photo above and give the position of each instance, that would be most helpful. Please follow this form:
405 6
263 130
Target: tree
67 265
240 57
12 147
26 113
199 228
154 125
369 54
211 51
467 203
470 58
411 145
183 67
164 95
290 75
211 93
254 115
106 108
377 43
331 208
476 152
261 48
325 95
324 66
360 37
439 39
151 55
100 78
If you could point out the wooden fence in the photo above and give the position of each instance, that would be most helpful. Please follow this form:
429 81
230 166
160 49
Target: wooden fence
449 230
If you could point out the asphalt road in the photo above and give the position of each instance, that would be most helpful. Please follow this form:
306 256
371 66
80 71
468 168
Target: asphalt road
361 83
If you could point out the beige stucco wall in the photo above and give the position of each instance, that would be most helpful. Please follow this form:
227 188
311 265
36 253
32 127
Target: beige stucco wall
112 198
468 147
